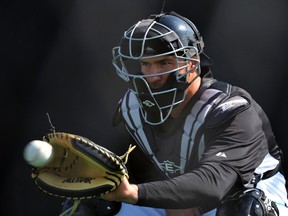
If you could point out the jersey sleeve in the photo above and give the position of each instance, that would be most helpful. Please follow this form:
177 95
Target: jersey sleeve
204 187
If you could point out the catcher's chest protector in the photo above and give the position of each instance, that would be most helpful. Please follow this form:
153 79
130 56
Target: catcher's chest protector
178 150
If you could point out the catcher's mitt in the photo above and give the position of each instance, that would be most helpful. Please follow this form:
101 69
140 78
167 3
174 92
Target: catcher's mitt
79 169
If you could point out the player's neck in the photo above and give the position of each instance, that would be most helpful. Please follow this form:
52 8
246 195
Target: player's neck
190 91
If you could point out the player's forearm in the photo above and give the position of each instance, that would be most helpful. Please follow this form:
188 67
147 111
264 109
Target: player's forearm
189 190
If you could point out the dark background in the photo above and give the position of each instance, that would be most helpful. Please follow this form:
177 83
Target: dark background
56 58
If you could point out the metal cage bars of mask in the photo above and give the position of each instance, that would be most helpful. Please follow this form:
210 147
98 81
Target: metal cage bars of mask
153 102
124 73
129 35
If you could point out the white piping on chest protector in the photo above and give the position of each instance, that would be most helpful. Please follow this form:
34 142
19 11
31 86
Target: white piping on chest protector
134 124
192 123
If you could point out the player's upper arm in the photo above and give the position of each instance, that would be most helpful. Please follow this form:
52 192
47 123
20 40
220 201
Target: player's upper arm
226 110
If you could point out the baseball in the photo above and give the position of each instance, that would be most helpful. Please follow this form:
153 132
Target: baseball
38 153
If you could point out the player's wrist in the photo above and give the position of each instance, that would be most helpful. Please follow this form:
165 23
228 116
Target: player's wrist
129 192
133 196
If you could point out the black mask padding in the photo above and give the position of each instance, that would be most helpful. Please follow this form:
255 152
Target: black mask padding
162 99
149 46
147 100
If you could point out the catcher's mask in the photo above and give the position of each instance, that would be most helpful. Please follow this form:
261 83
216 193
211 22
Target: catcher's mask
159 35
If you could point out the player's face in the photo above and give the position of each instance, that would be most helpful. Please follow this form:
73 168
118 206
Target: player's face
155 66
159 65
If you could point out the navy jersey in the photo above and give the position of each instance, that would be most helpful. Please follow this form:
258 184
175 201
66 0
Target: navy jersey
217 143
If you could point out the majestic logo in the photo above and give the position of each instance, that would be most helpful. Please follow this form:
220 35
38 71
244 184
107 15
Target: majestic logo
221 154
86 180
148 103
229 105
170 167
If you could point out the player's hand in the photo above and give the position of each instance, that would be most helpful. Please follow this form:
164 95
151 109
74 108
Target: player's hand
125 192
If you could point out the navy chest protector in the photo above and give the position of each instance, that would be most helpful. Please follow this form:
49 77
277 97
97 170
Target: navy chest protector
213 106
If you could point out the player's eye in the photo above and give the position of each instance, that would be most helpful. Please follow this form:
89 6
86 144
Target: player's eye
144 63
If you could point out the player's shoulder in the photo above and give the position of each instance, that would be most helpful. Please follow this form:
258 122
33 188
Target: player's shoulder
127 102
236 101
